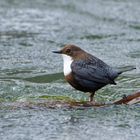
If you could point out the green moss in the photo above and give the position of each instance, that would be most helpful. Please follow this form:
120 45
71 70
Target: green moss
65 98
1 100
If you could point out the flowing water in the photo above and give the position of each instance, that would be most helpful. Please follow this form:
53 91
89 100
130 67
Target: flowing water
29 31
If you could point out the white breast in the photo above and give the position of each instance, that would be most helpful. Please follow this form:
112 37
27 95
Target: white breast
67 64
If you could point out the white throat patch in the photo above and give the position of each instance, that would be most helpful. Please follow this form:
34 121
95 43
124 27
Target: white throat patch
67 64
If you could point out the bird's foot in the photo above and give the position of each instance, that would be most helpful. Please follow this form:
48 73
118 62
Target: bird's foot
92 103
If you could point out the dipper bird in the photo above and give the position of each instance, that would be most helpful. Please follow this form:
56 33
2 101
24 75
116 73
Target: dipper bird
86 72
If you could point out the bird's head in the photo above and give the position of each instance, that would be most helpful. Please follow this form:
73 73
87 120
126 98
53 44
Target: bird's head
72 51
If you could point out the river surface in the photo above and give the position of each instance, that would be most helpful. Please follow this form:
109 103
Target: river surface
29 31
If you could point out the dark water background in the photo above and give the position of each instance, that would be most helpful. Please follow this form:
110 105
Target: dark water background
30 30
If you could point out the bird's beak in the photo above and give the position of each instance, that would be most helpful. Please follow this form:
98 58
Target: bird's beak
59 52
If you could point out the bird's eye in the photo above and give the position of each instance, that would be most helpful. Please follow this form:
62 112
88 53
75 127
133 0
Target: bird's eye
68 51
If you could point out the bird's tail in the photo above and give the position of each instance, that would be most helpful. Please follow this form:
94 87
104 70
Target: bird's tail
126 69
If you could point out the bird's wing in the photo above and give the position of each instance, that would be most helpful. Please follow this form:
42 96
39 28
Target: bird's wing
96 71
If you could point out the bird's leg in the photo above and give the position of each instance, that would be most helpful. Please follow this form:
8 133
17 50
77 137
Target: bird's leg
91 99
